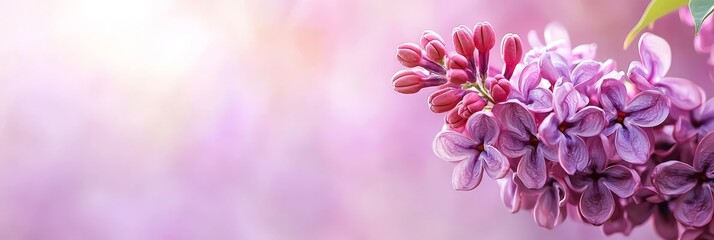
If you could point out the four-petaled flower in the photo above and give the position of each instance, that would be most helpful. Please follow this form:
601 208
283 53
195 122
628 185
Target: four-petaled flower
627 118
568 124
519 139
692 182
473 149
598 181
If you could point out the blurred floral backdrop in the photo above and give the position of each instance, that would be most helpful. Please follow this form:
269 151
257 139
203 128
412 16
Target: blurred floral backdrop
275 119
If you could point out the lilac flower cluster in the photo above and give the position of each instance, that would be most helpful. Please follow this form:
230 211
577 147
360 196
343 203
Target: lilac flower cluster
565 135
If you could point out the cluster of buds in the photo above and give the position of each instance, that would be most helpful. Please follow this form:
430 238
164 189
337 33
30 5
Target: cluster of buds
567 136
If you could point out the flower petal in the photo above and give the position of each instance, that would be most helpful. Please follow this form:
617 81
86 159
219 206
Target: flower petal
613 95
548 130
514 145
621 180
510 193
587 122
585 73
597 204
531 170
483 128
683 93
597 152
673 178
540 100
553 67
647 109
694 208
514 117
567 101
573 154
550 152
452 146
704 155
496 164
555 33
530 78
585 51
547 209
632 144
467 174
655 54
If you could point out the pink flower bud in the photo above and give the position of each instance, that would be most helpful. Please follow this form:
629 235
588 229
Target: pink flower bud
456 61
409 55
460 76
410 81
434 46
445 99
501 90
484 37
463 41
471 104
511 52
454 120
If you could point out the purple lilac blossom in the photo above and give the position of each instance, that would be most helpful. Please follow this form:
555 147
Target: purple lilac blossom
565 134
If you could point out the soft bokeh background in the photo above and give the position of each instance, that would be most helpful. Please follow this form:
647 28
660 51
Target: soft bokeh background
274 119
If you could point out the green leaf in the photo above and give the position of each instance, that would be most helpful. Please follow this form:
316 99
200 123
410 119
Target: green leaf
655 10
701 9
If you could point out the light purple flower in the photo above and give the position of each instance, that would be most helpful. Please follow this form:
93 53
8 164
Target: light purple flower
598 182
535 98
472 150
557 40
650 74
627 118
692 182
519 139
568 124
551 209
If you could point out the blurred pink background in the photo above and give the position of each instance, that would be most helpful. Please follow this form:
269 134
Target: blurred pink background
255 119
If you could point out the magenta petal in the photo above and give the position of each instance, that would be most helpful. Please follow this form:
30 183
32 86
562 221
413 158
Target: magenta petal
530 78
621 180
597 152
613 94
568 101
694 208
655 54
618 223
597 204
510 193
514 145
587 122
547 210
706 111
483 128
540 100
683 129
531 170
664 223
467 174
548 130
674 178
683 93
573 154
586 72
632 144
704 155
647 109
496 164
550 152
452 146
515 117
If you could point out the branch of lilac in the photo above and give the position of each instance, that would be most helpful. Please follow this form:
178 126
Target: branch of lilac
562 132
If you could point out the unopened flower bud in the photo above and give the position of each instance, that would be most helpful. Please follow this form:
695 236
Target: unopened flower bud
454 120
460 76
511 52
463 41
500 90
409 55
456 61
433 45
445 99
410 81
484 37
471 104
